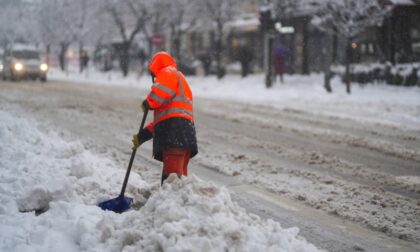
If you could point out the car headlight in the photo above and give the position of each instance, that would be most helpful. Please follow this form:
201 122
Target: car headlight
18 67
43 67
1 67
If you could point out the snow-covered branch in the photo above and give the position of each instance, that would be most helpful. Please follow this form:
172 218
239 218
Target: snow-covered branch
349 18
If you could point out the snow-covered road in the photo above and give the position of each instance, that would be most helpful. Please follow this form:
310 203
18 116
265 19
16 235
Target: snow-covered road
348 184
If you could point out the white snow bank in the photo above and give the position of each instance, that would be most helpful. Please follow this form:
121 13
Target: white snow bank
41 173
193 215
397 106
38 166
402 2
95 77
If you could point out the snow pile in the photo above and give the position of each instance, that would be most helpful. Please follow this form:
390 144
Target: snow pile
49 188
38 166
192 215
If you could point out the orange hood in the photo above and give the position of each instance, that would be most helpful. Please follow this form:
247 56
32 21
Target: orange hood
161 60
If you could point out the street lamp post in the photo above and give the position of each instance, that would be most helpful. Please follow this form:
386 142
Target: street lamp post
267 27
270 28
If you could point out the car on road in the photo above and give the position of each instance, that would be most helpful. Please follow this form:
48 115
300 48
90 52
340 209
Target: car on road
22 61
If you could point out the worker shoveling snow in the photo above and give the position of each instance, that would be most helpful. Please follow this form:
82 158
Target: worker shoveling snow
49 187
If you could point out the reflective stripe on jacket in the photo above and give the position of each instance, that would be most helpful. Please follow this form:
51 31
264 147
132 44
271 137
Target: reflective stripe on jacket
170 96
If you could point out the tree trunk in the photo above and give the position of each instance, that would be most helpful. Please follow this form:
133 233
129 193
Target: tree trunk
327 63
62 56
335 46
125 58
268 41
390 41
327 80
348 61
220 70
305 63
81 66
219 48
177 47
175 43
48 53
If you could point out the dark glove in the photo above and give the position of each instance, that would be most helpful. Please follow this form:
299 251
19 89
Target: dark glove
144 106
141 138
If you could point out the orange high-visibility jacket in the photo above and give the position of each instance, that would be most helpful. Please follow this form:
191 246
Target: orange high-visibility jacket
171 95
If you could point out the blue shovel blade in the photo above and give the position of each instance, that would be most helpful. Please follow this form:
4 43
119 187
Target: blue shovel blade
118 205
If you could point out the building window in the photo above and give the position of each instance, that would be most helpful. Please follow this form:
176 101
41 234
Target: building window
416 47
367 48
371 48
415 33
363 48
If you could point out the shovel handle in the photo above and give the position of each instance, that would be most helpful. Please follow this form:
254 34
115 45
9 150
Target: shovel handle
133 154
143 120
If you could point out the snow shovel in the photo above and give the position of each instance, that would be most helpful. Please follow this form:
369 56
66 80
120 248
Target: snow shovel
123 203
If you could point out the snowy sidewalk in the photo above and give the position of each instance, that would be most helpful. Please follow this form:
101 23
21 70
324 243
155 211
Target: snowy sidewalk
373 103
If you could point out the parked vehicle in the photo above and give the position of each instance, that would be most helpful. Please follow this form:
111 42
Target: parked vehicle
23 61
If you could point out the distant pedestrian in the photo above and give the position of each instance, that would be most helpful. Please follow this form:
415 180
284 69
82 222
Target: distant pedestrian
142 56
280 54
205 57
412 78
62 59
84 60
245 57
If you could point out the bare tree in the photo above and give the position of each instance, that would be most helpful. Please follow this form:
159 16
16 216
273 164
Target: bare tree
288 8
220 12
48 30
56 25
157 22
129 17
182 17
348 18
63 22
79 19
16 22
